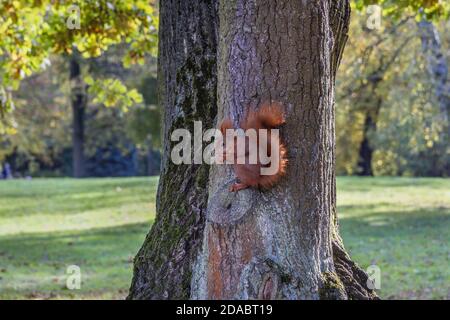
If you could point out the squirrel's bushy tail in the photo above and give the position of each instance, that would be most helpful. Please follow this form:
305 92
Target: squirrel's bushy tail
271 115
268 181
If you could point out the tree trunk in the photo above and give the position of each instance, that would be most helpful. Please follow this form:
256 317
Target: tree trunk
187 79
150 162
78 101
208 243
370 127
365 149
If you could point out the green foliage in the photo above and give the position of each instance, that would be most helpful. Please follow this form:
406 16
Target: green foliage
36 140
37 128
407 134
112 93
32 30
430 9
144 122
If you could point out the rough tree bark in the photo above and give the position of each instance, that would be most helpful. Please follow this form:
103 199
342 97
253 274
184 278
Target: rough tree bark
187 78
284 243
78 101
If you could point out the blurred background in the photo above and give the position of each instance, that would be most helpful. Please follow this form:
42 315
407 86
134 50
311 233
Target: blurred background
116 140
391 117
96 116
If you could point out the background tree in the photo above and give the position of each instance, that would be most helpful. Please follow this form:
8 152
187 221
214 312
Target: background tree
39 125
144 124
375 60
40 146
78 102
89 27
401 91
438 70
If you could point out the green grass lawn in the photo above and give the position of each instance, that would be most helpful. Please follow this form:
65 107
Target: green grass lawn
400 224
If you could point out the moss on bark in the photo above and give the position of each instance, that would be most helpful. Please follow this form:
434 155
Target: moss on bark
187 82
331 287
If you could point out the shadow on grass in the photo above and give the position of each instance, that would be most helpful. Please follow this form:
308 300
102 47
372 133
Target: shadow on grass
411 247
71 196
91 243
373 223
36 263
71 205
368 183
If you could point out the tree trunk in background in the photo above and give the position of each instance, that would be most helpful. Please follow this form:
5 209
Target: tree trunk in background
370 126
365 150
284 243
150 162
78 101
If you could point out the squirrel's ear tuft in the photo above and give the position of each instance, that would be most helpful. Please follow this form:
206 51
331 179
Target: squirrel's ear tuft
226 124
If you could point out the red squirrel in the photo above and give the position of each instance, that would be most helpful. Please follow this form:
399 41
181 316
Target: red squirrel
269 116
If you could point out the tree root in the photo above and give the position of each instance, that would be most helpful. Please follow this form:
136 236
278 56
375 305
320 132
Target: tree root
351 275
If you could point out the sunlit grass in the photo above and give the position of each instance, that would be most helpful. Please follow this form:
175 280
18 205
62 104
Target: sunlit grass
47 225
402 225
